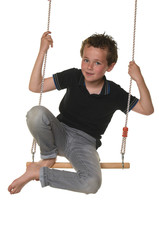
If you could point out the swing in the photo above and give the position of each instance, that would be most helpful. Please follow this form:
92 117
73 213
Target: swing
104 165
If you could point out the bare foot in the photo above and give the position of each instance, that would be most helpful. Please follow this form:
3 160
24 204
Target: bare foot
32 173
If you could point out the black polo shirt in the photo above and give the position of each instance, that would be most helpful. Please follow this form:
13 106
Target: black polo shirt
90 113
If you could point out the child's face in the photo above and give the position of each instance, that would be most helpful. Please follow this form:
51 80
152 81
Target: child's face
94 63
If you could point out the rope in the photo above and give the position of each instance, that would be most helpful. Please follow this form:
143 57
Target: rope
125 129
33 148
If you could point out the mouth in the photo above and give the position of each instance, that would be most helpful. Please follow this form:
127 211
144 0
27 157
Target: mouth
89 74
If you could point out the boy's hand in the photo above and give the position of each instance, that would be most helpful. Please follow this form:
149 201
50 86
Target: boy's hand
135 72
46 42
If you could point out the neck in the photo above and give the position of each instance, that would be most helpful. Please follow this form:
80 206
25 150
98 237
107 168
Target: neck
94 84
94 87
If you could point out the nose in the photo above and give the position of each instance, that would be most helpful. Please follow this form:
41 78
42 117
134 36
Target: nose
90 66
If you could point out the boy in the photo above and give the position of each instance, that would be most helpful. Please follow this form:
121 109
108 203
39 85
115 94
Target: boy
85 112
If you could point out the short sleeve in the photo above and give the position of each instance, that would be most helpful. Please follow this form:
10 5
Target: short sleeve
66 78
123 100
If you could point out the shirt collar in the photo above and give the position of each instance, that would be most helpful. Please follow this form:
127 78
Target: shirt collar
106 87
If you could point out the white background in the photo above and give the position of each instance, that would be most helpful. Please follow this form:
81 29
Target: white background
126 206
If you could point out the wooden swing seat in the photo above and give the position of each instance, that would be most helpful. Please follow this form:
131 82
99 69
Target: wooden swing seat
111 165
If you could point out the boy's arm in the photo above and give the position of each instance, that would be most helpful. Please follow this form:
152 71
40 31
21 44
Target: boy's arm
36 76
144 105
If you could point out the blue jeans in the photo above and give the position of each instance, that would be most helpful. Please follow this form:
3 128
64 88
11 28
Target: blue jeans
56 138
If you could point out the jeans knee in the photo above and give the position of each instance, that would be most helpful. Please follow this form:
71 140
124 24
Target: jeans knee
35 115
92 184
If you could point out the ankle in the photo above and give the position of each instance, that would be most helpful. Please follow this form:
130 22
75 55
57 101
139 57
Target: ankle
48 162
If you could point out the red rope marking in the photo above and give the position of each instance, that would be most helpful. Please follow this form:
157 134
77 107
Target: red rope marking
125 132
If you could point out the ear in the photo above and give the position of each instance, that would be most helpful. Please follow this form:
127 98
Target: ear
111 67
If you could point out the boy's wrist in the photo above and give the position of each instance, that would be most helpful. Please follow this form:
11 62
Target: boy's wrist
141 83
140 80
42 52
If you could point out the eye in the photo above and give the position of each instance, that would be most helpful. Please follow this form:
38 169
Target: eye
86 60
98 63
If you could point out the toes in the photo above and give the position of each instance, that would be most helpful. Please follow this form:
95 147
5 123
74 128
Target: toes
12 188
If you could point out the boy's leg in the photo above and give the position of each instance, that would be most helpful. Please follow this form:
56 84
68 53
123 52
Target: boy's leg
50 135
47 131
81 152
77 146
